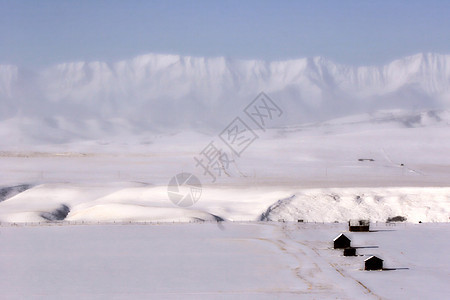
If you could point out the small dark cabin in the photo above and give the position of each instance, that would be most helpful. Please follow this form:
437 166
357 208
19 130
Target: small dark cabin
350 251
341 242
373 263
358 225
366 159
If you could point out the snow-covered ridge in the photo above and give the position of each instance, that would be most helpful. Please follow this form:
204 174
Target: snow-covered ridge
156 91
376 204
139 202
430 71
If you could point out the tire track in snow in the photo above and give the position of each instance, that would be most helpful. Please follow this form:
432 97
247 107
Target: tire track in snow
320 265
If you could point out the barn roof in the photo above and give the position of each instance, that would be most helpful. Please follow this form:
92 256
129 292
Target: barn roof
373 257
340 237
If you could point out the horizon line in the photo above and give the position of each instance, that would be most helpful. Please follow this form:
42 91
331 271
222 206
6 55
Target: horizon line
110 62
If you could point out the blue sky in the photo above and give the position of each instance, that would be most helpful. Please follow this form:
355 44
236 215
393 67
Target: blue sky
40 33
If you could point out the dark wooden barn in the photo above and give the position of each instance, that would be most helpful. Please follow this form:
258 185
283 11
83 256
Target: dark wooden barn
350 251
341 242
358 225
373 263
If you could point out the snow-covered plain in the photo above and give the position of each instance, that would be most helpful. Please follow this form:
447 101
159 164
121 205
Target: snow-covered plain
232 260
315 170
96 144
113 233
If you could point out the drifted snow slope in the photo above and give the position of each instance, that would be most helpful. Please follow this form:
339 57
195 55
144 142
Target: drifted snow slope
145 203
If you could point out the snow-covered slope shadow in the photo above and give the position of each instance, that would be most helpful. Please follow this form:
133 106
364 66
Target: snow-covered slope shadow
10 191
58 214
274 208
121 202
52 202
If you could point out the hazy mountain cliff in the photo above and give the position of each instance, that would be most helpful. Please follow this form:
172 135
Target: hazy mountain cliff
169 91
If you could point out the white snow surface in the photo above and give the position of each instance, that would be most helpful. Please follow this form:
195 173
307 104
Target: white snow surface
232 261
138 203
97 143
311 172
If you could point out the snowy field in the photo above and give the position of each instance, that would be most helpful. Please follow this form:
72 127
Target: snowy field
228 260
312 172
93 219
294 149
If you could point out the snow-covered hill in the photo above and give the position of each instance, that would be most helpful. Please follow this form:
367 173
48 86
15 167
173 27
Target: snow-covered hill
377 166
83 100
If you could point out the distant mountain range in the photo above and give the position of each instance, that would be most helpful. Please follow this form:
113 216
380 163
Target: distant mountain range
158 92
